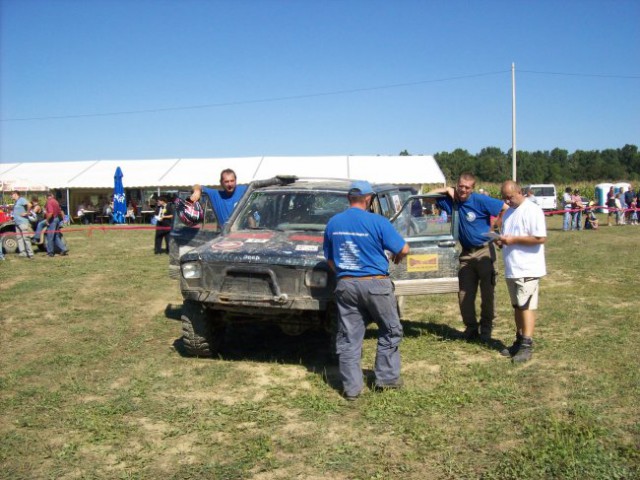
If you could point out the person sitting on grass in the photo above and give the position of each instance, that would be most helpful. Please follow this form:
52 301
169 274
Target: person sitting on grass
590 221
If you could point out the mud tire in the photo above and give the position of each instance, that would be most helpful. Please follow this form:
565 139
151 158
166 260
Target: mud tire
202 332
10 244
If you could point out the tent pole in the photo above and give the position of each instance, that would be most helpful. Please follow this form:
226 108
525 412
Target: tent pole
68 206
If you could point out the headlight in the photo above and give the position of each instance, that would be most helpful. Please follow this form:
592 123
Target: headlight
315 279
191 270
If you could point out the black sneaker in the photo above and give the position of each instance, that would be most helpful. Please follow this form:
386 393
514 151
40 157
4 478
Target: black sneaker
513 349
485 336
524 353
352 398
397 385
470 334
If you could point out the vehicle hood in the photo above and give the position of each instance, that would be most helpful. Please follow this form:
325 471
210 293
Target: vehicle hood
295 248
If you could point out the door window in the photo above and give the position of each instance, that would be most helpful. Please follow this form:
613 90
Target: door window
419 217
431 265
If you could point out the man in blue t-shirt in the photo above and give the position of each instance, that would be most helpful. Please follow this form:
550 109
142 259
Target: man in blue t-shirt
355 242
476 214
224 201
23 227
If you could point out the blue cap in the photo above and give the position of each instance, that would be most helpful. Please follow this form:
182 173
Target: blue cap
360 188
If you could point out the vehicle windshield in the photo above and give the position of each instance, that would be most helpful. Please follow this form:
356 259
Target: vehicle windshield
289 210
543 191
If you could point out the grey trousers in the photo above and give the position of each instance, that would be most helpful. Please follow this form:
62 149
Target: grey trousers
360 302
23 235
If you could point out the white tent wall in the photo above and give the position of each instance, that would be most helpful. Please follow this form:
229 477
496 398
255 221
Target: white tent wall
398 170
310 167
176 172
206 171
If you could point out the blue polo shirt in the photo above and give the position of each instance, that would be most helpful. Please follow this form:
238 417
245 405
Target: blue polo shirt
223 203
474 217
356 240
21 207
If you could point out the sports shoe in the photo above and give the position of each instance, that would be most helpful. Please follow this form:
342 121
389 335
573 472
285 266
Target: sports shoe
524 353
513 349
398 384
486 328
352 398
470 334
485 336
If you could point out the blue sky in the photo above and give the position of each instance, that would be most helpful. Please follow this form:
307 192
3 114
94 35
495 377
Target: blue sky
129 79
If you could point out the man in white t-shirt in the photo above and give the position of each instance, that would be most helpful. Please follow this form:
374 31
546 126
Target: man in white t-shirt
524 232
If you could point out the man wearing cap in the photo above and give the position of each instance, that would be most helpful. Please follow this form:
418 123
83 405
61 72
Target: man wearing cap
477 259
355 242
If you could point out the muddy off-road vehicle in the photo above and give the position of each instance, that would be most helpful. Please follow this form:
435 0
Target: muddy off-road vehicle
267 264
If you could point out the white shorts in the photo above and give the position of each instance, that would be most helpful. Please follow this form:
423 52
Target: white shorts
524 292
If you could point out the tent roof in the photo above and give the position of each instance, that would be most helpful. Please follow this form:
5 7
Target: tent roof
179 172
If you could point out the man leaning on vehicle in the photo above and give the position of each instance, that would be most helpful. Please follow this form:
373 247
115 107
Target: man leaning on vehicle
224 201
477 213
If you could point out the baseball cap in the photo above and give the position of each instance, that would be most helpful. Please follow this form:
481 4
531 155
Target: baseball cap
360 188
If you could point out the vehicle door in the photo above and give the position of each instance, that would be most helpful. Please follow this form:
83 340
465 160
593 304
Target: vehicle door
184 238
432 263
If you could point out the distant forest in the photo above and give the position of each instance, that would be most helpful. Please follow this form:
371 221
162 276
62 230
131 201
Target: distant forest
555 166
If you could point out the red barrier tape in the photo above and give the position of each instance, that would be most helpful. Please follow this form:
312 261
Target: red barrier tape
593 207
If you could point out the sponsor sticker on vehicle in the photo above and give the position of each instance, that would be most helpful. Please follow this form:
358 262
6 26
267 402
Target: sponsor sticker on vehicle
307 248
427 262
261 235
227 245
306 238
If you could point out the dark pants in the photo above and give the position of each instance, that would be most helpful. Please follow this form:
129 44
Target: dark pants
162 234
477 269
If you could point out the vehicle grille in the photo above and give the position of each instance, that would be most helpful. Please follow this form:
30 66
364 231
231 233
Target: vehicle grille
247 283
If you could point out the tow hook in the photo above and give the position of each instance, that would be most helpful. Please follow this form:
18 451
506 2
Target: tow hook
281 298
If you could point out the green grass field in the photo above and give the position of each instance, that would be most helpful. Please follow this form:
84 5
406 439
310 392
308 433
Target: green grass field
93 383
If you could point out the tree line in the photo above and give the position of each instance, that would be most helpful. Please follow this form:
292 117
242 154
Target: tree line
558 166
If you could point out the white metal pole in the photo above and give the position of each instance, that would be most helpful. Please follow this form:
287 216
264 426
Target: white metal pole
513 122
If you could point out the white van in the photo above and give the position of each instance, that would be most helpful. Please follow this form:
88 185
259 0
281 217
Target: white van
545 195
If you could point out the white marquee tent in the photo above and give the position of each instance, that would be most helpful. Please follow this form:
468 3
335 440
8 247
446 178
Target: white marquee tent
183 172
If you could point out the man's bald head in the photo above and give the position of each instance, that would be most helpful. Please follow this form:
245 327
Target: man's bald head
512 193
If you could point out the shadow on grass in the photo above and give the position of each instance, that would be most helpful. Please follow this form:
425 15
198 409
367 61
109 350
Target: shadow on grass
445 333
312 349
173 311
